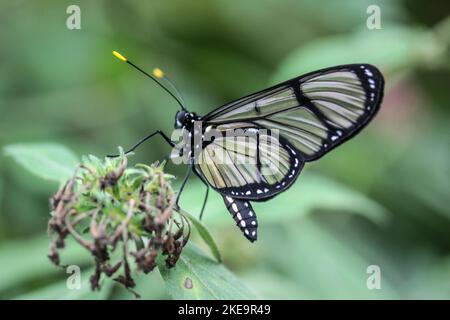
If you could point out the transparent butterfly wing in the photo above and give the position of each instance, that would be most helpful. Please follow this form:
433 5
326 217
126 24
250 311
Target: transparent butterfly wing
314 112
245 161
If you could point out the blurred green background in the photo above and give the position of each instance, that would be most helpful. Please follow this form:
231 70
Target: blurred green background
381 199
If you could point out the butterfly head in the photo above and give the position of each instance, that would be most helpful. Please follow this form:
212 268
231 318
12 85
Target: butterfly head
185 119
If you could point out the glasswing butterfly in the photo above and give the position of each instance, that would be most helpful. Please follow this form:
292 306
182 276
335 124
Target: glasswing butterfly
254 148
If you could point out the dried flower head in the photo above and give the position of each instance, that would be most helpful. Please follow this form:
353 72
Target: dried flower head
106 205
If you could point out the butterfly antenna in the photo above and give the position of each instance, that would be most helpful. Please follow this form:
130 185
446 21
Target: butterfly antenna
170 82
157 74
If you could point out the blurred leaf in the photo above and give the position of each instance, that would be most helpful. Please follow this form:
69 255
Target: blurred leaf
416 47
315 192
272 285
26 260
326 265
148 286
1 191
206 236
426 277
46 160
197 276
59 290
332 255
421 176
432 185
311 192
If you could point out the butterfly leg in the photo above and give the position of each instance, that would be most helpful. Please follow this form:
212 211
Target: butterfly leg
186 178
204 200
158 132
206 194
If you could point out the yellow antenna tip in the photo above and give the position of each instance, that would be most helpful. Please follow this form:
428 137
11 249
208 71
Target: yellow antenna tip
158 73
119 56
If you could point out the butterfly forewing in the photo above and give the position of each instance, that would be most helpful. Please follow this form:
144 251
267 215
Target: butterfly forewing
315 112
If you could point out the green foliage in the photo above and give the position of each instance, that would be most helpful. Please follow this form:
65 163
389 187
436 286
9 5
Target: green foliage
206 236
312 193
26 261
46 160
197 276
382 198
416 48
59 291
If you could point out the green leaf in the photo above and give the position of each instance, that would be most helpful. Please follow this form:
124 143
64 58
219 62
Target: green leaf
206 236
434 185
272 285
326 263
1 191
46 160
26 260
312 192
196 276
60 291
415 47
149 286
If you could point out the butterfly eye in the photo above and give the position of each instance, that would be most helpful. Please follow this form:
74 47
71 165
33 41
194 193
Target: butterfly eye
180 119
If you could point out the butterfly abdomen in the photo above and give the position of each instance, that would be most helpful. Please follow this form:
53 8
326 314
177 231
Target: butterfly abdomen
244 215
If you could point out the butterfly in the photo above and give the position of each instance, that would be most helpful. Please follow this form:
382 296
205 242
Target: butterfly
245 161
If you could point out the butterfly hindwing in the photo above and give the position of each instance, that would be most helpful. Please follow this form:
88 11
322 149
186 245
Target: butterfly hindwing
244 215
250 163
